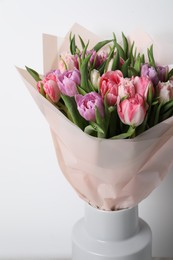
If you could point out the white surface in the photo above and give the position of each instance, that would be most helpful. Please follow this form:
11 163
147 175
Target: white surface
37 206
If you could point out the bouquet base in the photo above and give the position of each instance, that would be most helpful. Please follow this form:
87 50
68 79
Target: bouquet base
111 235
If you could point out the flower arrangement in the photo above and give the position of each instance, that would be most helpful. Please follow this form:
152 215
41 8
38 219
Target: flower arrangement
110 90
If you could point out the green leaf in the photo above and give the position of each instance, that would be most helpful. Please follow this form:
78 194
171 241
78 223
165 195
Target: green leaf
121 51
42 90
101 68
170 74
33 73
81 90
107 115
151 116
97 128
100 123
155 102
135 53
132 72
77 119
91 86
84 51
166 106
157 114
137 65
151 57
114 123
129 134
85 74
90 130
142 58
116 61
82 42
72 45
150 96
111 53
167 114
125 67
125 45
99 45
131 57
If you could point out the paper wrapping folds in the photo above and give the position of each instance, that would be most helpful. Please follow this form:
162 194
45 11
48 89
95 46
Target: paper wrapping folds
109 174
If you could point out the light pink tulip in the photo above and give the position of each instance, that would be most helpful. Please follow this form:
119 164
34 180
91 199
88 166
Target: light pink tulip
126 88
131 110
67 62
165 91
142 85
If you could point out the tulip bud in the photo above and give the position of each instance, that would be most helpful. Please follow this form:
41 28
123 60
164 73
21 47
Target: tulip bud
95 78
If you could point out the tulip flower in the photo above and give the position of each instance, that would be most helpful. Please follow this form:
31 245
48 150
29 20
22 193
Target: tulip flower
131 110
126 88
68 82
87 104
95 78
67 62
50 87
142 86
165 91
149 71
109 86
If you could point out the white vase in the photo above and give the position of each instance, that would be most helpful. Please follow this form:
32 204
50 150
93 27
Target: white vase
111 235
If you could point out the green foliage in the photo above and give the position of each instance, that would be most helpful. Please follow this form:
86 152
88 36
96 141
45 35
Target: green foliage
33 73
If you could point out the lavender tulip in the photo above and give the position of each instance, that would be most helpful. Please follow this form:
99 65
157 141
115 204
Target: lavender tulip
68 81
86 105
162 73
149 71
97 58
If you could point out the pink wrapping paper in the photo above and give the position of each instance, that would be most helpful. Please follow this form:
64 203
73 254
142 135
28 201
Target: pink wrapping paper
109 174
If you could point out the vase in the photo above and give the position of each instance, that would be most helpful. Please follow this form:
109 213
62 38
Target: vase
111 235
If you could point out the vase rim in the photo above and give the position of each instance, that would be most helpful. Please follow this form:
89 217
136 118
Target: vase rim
112 211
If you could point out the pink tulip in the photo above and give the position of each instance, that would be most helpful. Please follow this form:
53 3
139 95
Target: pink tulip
126 88
165 91
86 105
67 62
109 86
142 85
131 110
50 87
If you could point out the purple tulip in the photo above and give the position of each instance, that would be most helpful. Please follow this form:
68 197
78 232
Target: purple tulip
149 71
97 58
162 73
56 73
68 81
86 105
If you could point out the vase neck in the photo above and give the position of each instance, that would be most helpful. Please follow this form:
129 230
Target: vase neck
111 225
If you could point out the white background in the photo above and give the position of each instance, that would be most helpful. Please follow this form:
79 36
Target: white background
37 206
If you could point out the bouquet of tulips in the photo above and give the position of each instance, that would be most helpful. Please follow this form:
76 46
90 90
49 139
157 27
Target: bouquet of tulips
109 91
100 88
